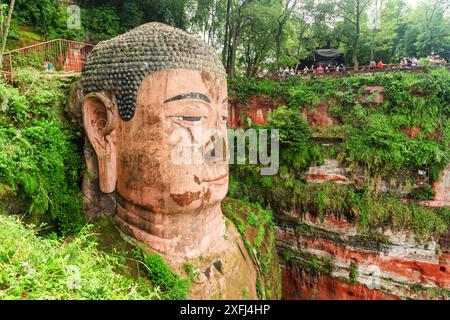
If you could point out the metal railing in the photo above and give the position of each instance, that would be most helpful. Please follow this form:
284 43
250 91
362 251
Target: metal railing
60 54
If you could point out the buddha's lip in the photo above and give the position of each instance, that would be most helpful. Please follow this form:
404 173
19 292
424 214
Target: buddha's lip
219 180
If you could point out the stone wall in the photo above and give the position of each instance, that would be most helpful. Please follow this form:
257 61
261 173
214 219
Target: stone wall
256 111
330 260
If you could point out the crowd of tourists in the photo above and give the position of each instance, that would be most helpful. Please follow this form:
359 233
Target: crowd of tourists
436 59
341 69
319 69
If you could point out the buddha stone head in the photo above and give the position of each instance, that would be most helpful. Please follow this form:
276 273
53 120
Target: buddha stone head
151 95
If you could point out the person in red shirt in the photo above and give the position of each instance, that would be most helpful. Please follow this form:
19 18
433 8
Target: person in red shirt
320 69
380 65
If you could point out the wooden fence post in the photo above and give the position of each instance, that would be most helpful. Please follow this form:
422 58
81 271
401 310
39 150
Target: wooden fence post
11 67
61 59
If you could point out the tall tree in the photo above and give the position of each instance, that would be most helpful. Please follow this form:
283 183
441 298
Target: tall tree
433 14
238 21
282 19
375 26
208 19
5 24
352 11
226 40
257 47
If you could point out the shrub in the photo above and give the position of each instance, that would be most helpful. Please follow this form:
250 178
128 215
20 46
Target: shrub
43 268
172 286
422 193
40 155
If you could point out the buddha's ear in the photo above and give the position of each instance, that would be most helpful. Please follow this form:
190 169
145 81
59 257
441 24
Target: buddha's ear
100 123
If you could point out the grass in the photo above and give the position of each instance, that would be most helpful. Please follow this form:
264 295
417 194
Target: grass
172 286
38 268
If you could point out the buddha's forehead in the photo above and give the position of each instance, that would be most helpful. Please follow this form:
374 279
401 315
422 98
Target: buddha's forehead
170 83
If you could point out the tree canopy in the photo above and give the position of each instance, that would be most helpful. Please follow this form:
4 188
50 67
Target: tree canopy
260 35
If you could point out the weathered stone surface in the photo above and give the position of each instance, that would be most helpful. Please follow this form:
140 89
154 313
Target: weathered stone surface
412 132
319 115
331 171
96 203
384 266
442 188
375 92
229 273
155 117
75 104
257 111
300 284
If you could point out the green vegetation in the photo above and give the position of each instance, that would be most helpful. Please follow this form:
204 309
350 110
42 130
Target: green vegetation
430 293
101 19
374 135
374 139
245 293
287 255
190 271
40 155
46 268
309 261
260 35
172 286
353 273
259 289
422 193
363 207
257 228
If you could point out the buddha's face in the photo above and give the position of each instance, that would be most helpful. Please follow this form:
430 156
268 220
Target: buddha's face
171 156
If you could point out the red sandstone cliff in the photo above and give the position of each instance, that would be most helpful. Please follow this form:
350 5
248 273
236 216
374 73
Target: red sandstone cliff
330 260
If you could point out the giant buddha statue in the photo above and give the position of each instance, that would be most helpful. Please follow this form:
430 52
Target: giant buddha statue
142 89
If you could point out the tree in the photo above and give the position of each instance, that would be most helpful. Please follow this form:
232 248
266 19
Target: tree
282 19
256 45
315 27
209 20
352 11
236 24
226 40
375 27
435 31
5 24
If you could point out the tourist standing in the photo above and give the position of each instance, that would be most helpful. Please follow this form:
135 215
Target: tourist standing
380 65
320 69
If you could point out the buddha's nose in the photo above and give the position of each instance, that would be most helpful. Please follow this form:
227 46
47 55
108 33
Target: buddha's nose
216 148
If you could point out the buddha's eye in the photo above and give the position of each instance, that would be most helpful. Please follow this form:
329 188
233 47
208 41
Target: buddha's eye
224 118
192 119
187 118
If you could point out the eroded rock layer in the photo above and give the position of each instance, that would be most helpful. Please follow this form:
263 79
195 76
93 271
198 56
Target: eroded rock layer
329 259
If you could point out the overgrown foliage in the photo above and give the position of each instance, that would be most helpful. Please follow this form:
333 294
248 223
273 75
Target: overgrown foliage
262 35
375 138
256 225
41 155
44 268
375 135
172 286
